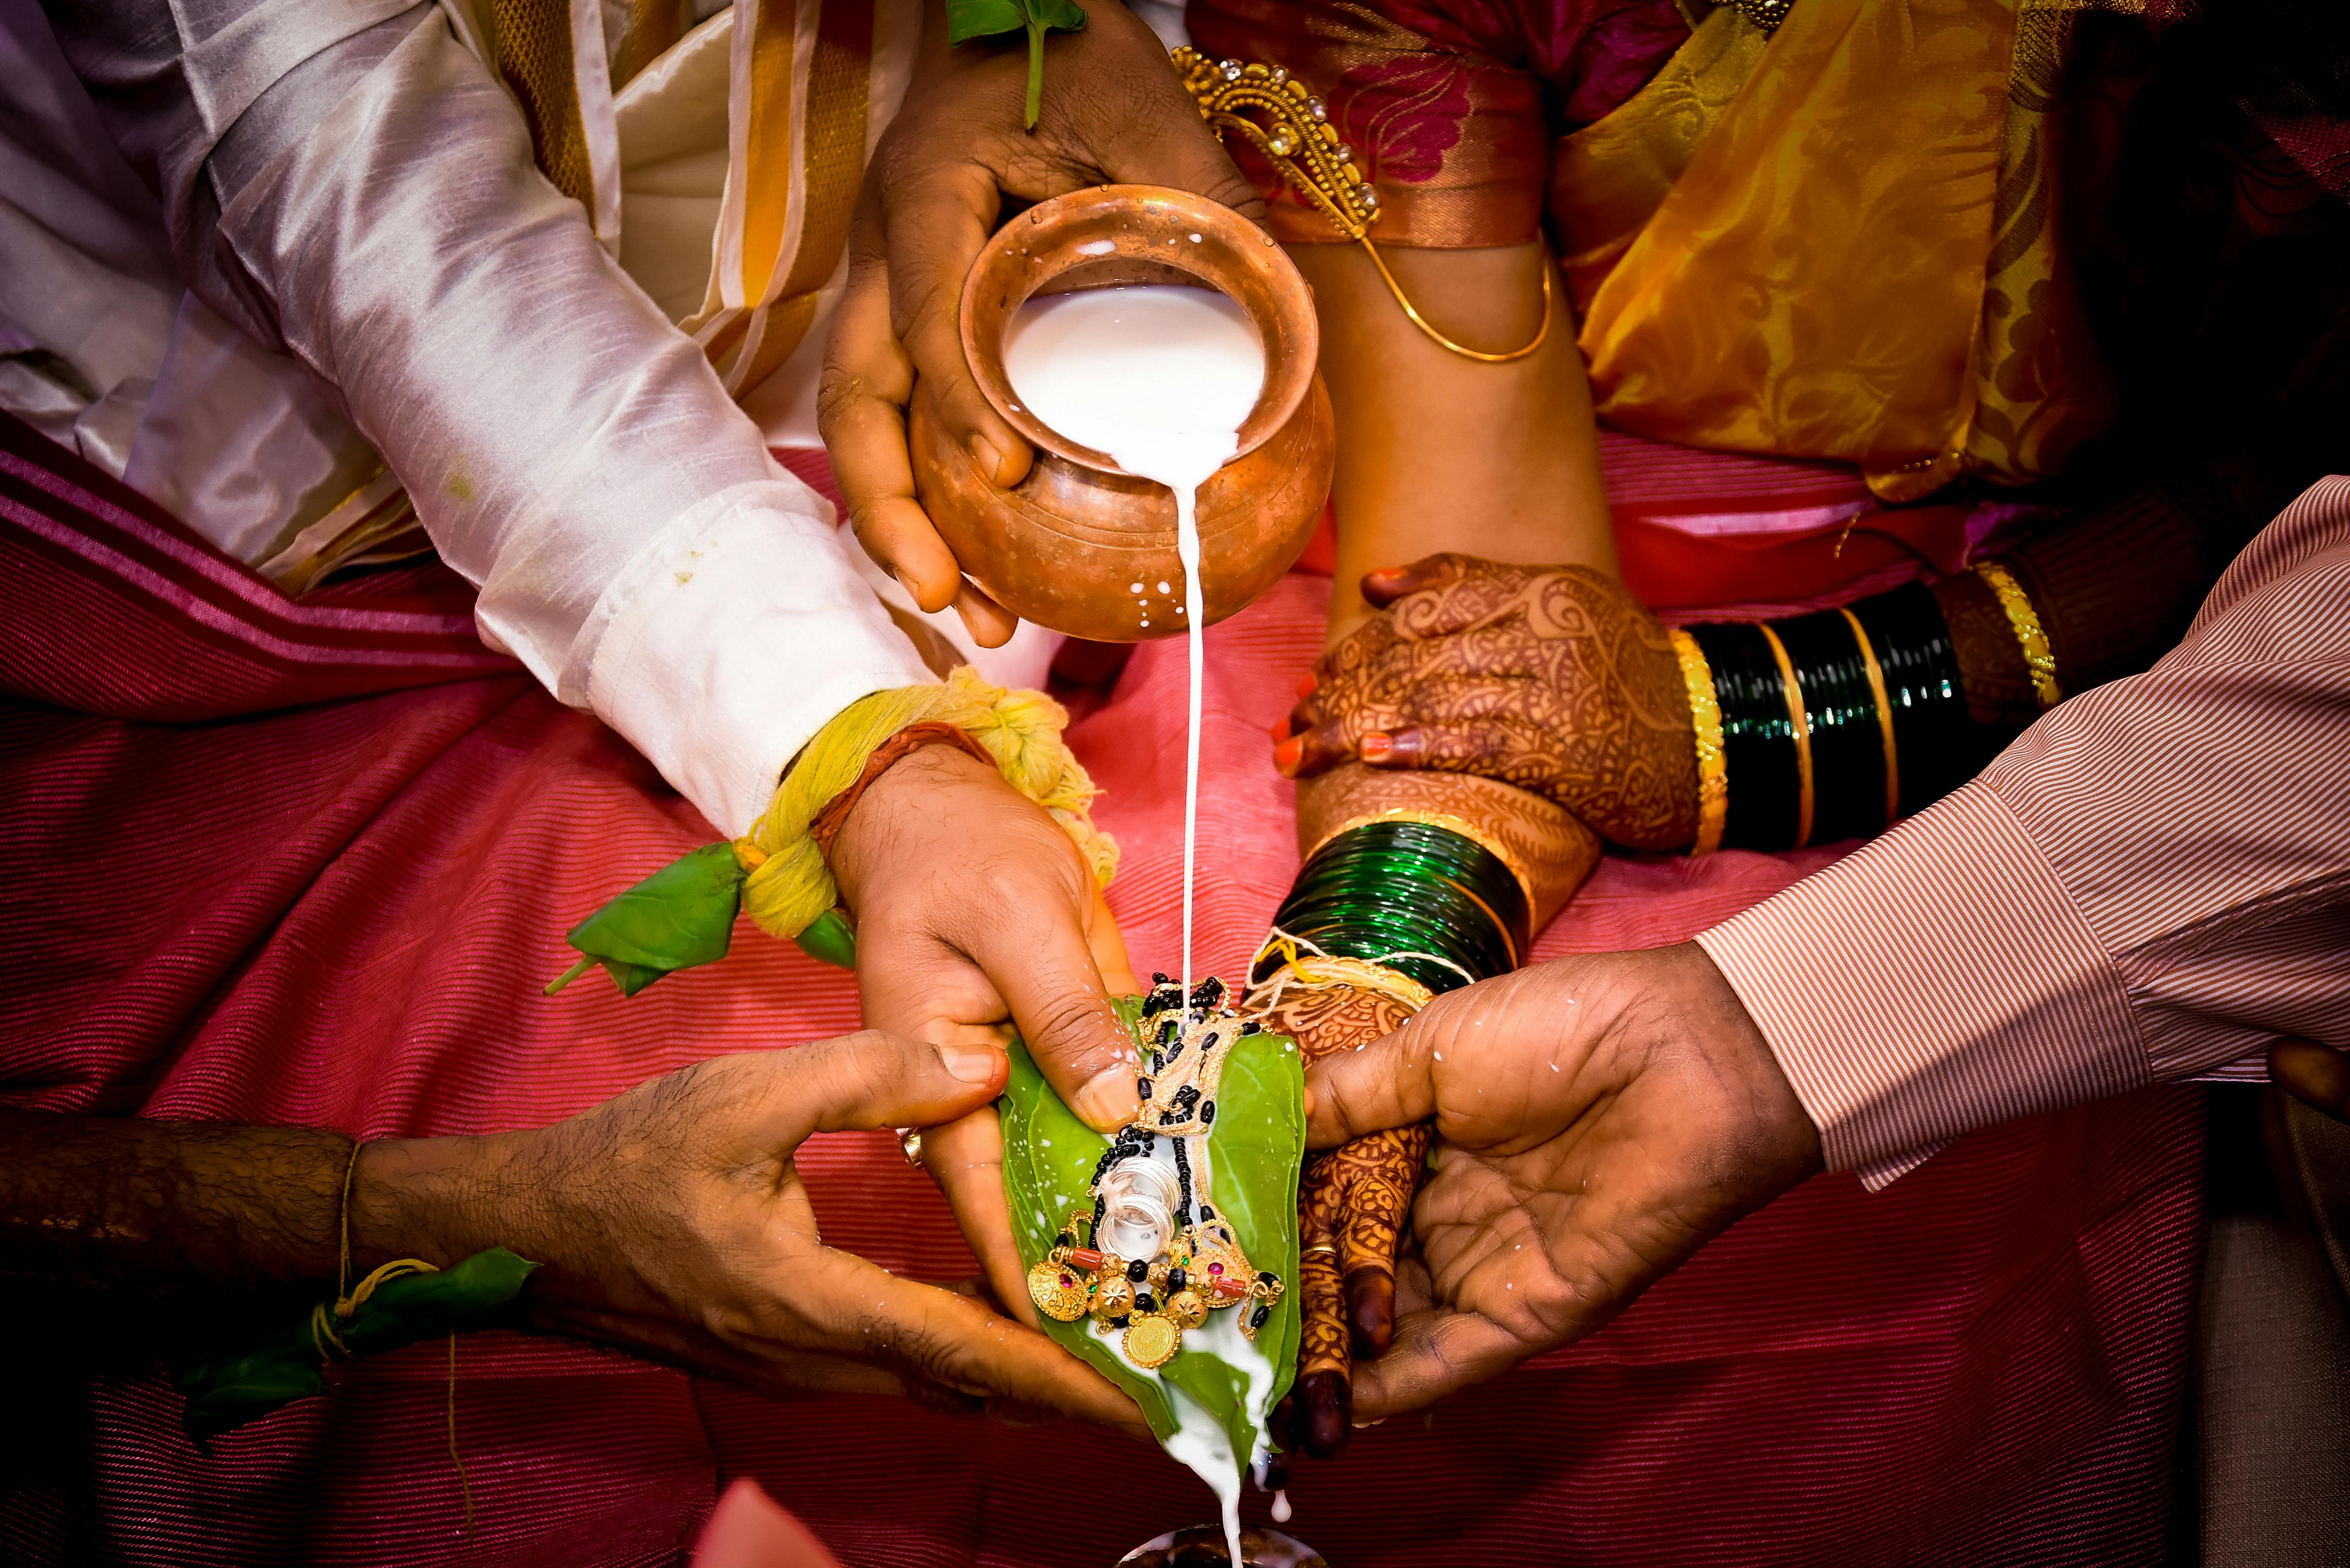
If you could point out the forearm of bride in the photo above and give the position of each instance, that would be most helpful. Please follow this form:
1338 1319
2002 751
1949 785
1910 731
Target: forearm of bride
1438 452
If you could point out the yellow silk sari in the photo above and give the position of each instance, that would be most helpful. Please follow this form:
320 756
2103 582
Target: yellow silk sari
1841 240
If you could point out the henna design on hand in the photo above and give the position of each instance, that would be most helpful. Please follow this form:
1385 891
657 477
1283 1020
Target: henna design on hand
1554 679
1352 1202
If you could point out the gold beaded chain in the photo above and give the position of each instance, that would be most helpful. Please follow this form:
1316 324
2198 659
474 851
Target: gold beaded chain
1296 135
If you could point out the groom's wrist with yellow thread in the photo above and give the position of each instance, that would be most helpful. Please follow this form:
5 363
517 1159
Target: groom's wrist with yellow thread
826 825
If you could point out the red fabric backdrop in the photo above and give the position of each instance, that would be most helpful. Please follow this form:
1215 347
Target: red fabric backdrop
312 862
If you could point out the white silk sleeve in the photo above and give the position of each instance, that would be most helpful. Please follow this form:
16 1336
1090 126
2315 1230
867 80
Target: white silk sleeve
378 210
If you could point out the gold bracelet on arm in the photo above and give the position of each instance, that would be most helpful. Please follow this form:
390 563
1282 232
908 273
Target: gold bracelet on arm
1705 722
2029 635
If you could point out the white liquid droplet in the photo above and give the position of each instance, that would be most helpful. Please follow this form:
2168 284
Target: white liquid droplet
1281 1507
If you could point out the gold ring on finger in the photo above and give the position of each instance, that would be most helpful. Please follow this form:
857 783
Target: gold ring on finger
909 1144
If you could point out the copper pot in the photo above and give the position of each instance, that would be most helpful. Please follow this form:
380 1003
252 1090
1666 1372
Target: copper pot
1063 547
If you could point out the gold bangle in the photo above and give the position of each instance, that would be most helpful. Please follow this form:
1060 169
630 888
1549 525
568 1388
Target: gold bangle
1884 715
2029 633
1705 721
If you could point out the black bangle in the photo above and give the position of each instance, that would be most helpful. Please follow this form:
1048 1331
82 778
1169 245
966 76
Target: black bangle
1846 735
1930 727
1758 737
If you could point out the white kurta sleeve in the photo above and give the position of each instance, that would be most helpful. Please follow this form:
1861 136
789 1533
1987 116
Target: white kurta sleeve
375 209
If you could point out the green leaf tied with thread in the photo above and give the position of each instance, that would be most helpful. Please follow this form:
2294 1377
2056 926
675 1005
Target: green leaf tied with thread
681 916
227 1391
969 19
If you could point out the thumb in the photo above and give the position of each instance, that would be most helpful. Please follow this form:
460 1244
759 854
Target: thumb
1384 585
1389 1083
872 1079
1045 970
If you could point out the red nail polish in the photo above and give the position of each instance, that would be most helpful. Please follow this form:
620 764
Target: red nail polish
1281 731
1375 745
1286 754
1306 687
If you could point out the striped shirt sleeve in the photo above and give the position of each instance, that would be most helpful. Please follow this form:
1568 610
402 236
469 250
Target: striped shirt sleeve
2152 881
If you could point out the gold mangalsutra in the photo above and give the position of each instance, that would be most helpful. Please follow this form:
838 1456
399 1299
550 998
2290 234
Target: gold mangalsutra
2038 657
1189 1267
1801 723
1300 142
1875 673
1705 723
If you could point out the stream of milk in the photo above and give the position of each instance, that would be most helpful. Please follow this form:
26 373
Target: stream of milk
1161 376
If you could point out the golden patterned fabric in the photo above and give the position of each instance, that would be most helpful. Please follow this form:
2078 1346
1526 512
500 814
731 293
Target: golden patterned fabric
1944 334
1609 180
1842 238
535 54
1811 284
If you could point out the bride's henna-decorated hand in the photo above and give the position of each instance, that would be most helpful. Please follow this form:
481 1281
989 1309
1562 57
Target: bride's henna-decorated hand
1352 1202
1553 679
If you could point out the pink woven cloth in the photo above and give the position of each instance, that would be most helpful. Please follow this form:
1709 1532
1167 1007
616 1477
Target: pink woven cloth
355 876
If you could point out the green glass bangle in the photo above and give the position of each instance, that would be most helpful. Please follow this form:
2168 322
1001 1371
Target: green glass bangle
1758 738
1847 738
1386 888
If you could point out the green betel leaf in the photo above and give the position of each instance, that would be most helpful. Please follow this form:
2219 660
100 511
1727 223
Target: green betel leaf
969 19
682 915
830 938
1254 1151
226 1392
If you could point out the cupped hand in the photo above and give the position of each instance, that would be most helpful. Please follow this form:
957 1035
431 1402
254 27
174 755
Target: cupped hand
1554 679
672 1223
1113 111
977 917
1598 1119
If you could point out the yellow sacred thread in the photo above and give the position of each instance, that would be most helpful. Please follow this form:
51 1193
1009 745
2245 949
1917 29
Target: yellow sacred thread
1313 970
788 885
